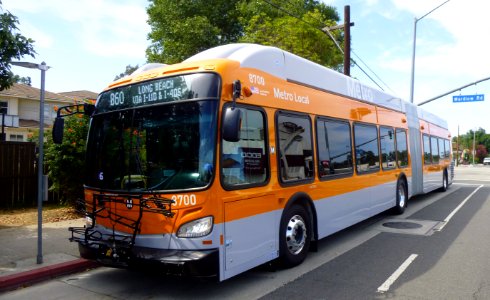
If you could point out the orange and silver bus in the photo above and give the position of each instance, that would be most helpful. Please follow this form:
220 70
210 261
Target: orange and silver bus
244 154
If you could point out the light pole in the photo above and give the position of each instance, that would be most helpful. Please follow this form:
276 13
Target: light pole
474 150
413 49
40 184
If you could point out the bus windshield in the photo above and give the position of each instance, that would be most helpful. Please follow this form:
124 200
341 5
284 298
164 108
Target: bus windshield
167 146
155 135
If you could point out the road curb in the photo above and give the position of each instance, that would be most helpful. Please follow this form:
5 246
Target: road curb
14 281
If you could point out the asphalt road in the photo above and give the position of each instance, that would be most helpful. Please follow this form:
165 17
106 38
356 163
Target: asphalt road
439 249
448 264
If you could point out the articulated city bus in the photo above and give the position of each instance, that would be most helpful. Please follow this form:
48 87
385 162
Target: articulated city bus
245 154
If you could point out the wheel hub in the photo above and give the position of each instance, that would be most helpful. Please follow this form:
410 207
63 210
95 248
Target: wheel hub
296 234
401 195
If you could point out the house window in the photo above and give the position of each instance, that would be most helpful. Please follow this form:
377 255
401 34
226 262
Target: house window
16 137
4 107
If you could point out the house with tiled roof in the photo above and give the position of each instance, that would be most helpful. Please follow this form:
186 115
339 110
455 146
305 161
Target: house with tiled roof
80 95
21 103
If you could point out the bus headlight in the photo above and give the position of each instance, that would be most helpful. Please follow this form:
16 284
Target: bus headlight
89 222
196 228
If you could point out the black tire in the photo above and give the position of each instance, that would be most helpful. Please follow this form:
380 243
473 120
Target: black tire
87 252
445 182
294 236
401 197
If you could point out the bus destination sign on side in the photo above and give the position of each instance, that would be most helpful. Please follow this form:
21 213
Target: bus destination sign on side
468 98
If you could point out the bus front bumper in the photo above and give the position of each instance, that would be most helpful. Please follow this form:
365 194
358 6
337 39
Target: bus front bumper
197 263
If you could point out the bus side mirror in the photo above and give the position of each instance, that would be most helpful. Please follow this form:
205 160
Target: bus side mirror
88 109
59 124
232 123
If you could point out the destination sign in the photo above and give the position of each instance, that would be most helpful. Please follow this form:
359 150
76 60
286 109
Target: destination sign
468 98
170 89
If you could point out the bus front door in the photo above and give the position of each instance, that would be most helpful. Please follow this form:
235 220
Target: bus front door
251 233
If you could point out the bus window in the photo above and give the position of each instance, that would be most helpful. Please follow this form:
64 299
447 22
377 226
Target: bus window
434 149
367 153
427 155
387 143
334 148
245 162
401 148
295 147
447 148
442 153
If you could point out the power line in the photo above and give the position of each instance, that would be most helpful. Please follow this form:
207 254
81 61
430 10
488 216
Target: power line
365 73
373 72
335 42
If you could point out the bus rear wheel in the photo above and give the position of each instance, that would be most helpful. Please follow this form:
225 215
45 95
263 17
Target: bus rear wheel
294 236
445 183
401 197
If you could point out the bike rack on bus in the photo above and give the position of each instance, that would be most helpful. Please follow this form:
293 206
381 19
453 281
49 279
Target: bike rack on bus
107 243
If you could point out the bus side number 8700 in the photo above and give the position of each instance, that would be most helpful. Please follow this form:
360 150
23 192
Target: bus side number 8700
256 79
184 200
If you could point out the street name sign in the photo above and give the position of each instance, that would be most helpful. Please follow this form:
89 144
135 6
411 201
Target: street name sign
468 98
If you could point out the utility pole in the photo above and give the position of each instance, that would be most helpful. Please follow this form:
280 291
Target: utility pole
457 149
347 26
474 150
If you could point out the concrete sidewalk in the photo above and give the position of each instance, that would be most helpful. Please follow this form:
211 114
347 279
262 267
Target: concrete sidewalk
18 252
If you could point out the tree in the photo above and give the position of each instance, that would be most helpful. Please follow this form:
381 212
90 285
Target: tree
62 159
23 80
182 28
13 45
480 139
129 69
298 31
481 153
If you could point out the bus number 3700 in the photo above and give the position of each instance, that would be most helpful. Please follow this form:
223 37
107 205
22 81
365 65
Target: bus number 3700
184 200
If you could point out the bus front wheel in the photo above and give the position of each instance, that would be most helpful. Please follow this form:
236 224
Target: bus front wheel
295 236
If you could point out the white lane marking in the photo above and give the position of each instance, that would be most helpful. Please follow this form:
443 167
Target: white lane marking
469 179
386 285
448 218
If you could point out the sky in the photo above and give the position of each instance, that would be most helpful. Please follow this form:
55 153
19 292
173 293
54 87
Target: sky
88 42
